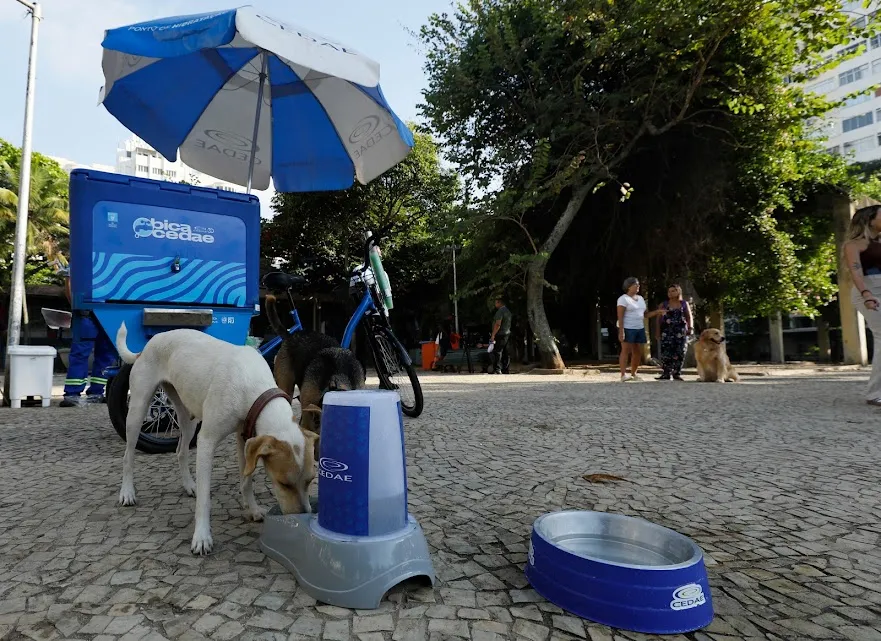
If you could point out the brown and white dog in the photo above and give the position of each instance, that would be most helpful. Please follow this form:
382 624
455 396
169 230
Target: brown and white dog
213 381
713 365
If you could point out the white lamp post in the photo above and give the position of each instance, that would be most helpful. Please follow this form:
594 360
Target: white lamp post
455 287
24 190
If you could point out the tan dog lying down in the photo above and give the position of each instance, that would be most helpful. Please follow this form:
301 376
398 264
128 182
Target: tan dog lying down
713 365
217 383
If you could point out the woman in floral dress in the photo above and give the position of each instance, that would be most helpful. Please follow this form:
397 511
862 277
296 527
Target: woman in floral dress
675 326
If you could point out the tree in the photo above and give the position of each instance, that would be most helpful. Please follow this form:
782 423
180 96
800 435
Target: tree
48 217
866 179
410 207
741 222
550 98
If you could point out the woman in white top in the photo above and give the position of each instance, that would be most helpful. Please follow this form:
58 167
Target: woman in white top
632 311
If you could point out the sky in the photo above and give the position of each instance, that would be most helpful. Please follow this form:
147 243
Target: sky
69 123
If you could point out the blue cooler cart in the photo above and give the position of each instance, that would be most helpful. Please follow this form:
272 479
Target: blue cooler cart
161 256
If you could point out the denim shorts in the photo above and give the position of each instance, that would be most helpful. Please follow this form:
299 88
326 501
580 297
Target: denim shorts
635 335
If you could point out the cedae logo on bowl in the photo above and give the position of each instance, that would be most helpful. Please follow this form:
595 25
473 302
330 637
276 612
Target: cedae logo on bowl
531 554
687 597
332 469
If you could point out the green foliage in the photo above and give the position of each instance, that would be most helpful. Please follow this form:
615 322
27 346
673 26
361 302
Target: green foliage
48 215
12 156
411 206
777 249
493 259
775 270
539 99
866 179
560 90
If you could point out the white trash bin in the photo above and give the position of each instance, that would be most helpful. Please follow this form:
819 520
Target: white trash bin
30 373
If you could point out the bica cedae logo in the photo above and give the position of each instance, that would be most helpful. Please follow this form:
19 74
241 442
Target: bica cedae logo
687 597
150 227
333 469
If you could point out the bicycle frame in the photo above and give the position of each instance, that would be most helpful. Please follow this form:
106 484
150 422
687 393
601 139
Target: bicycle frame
365 308
270 346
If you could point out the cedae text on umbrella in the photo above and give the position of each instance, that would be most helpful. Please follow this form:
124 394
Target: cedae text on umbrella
230 145
367 133
308 36
150 227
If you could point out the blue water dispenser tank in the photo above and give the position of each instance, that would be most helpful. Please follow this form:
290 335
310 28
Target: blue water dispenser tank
362 471
363 542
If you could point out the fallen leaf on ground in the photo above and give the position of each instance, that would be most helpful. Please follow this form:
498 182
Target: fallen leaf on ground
602 478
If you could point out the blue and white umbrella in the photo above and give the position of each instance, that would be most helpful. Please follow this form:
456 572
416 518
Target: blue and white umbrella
244 96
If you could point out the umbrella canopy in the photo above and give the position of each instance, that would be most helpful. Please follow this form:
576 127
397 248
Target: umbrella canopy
244 96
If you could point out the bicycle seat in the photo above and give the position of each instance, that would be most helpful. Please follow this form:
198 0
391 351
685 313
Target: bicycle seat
278 281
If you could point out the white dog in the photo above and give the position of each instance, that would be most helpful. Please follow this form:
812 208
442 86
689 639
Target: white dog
218 383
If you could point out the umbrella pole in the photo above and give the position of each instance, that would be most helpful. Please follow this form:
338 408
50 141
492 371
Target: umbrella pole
257 119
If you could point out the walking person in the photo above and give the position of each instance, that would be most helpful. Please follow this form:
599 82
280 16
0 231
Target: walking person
673 328
862 252
499 337
90 337
632 312
444 337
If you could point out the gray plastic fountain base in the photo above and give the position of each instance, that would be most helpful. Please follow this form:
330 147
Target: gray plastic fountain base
346 571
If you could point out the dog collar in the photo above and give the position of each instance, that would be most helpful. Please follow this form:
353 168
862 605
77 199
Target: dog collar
250 428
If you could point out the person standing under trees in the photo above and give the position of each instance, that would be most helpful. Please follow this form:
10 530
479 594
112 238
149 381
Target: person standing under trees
632 312
862 252
445 334
674 327
501 333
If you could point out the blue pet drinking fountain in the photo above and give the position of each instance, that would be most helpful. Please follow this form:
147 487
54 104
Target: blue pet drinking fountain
362 542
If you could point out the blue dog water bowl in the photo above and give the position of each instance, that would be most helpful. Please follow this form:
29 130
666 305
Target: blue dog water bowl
620 571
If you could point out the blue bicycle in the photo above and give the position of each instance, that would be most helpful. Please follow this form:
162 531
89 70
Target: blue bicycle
160 430
393 365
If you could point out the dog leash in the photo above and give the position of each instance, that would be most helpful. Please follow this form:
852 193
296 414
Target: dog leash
250 428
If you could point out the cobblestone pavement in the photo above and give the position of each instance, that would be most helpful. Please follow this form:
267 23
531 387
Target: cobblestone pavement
776 478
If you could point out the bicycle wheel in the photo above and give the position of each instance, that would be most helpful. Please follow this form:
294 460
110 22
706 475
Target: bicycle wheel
160 431
395 370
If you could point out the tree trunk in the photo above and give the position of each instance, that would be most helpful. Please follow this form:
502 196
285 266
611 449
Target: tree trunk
775 338
535 281
538 320
717 317
823 342
647 324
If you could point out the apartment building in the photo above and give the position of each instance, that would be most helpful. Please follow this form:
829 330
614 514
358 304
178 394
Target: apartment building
854 130
134 157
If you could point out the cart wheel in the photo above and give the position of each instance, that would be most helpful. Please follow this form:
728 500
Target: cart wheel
160 432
